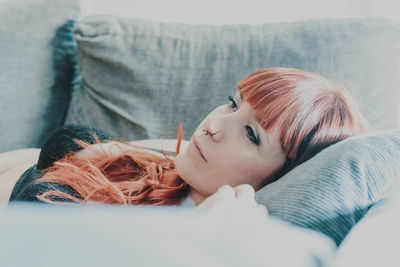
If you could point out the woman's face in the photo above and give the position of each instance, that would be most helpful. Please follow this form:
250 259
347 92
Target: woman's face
229 147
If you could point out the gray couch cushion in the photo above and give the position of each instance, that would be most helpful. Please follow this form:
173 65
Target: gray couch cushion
142 78
36 68
331 192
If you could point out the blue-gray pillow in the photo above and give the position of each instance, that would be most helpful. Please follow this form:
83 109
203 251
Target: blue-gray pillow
332 191
141 78
37 54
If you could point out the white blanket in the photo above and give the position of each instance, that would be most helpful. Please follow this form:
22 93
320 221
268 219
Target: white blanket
134 236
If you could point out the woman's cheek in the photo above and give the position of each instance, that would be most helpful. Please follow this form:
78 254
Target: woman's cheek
229 162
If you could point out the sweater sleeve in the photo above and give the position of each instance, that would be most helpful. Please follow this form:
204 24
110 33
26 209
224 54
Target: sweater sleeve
56 147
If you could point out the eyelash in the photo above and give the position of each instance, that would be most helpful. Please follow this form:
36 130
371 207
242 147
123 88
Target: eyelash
232 103
250 133
253 137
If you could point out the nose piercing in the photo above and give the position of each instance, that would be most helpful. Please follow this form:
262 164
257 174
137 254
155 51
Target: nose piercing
206 132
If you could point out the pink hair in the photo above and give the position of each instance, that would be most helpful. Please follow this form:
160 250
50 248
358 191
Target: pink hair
308 111
130 176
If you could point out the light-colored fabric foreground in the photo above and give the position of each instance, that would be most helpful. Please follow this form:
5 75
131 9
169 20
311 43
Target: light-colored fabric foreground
43 236
375 240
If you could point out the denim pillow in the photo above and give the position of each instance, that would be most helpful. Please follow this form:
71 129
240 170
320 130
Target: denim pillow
142 78
37 69
332 191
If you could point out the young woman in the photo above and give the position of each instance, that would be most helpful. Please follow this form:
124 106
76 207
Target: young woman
279 118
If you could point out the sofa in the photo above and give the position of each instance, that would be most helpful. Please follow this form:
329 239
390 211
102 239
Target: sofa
137 79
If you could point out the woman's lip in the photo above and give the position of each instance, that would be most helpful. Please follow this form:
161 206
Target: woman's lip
196 145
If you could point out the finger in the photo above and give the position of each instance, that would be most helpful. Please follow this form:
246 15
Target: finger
244 192
225 191
222 195
263 209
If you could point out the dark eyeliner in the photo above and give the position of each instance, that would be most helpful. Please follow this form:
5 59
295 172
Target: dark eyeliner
232 103
251 134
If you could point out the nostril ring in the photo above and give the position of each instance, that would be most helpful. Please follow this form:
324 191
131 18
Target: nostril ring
206 132
212 134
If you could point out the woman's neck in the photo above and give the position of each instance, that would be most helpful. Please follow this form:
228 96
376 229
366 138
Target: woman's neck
195 196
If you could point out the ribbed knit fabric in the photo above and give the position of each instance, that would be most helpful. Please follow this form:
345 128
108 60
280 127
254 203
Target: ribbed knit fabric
56 147
332 191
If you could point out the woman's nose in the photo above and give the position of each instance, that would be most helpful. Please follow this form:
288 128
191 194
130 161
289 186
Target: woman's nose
214 129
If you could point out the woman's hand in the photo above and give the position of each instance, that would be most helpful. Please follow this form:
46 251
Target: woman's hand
237 203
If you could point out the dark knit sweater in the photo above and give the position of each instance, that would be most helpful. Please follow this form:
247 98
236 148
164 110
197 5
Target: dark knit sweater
56 147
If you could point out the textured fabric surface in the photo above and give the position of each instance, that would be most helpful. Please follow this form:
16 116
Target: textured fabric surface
374 241
36 69
331 192
60 143
110 235
141 78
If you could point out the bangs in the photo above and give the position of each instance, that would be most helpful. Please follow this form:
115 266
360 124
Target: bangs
300 105
268 99
272 94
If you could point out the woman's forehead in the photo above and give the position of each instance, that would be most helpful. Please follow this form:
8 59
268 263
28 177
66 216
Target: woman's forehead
253 111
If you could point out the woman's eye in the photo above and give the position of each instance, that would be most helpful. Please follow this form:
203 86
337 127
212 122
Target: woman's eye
232 103
251 134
